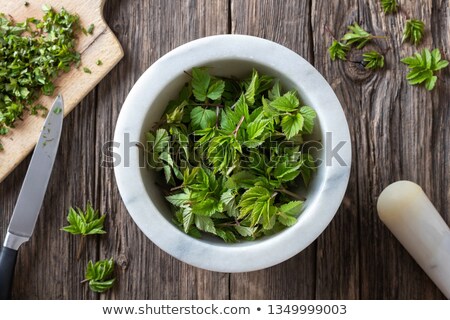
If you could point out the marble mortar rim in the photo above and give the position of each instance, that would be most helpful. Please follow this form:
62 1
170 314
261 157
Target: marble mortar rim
248 256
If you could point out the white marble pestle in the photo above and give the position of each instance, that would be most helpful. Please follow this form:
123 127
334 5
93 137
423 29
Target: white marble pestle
415 222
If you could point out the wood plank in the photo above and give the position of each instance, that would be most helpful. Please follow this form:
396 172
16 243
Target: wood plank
288 23
401 125
338 248
147 30
47 267
74 85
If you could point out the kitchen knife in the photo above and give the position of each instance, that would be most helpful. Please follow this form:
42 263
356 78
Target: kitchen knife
31 195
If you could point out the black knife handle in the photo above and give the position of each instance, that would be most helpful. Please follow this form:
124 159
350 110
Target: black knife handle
7 263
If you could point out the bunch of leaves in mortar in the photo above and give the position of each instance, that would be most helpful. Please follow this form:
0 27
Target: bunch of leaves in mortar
99 275
84 223
231 152
32 54
423 67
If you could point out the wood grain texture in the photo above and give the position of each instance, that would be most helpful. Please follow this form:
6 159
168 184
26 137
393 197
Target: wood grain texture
146 272
398 132
288 23
74 85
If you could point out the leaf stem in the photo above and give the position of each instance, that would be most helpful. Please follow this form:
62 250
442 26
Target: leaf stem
235 132
329 31
190 75
207 105
217 116
177 188
81 246
291 194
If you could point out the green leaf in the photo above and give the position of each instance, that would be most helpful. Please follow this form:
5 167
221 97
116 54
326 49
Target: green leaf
275 92
292 124
100 274
207 207
338 50
287 103
215 91
286 172
254 201
286 220
309 115
357 36
202 118
187 218
292 208
246 231
179 199
227 235
87 222
373 60
205 224
423 66
389 6
256 128
200 83
430 83
242 179
241 109
268 215
161 142
252 89
413 32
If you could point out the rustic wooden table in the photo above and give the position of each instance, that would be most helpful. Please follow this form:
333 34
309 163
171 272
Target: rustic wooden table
398 132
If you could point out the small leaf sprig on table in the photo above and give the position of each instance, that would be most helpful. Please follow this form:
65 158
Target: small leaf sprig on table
89 222
230 152
99 275
356 37
84 223
423 65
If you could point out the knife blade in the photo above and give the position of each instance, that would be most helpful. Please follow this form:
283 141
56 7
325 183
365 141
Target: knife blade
31 194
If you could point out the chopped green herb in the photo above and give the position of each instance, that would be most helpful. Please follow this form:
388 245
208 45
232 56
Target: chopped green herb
423 67
34 110
99 62
87 70
414 30
46 8
90 29
373 60
100 275
229 152
57 110
47 48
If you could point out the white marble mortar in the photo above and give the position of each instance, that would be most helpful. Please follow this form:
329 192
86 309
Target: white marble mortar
229 55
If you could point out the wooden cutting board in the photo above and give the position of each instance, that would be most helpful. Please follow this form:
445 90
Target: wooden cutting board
75 85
